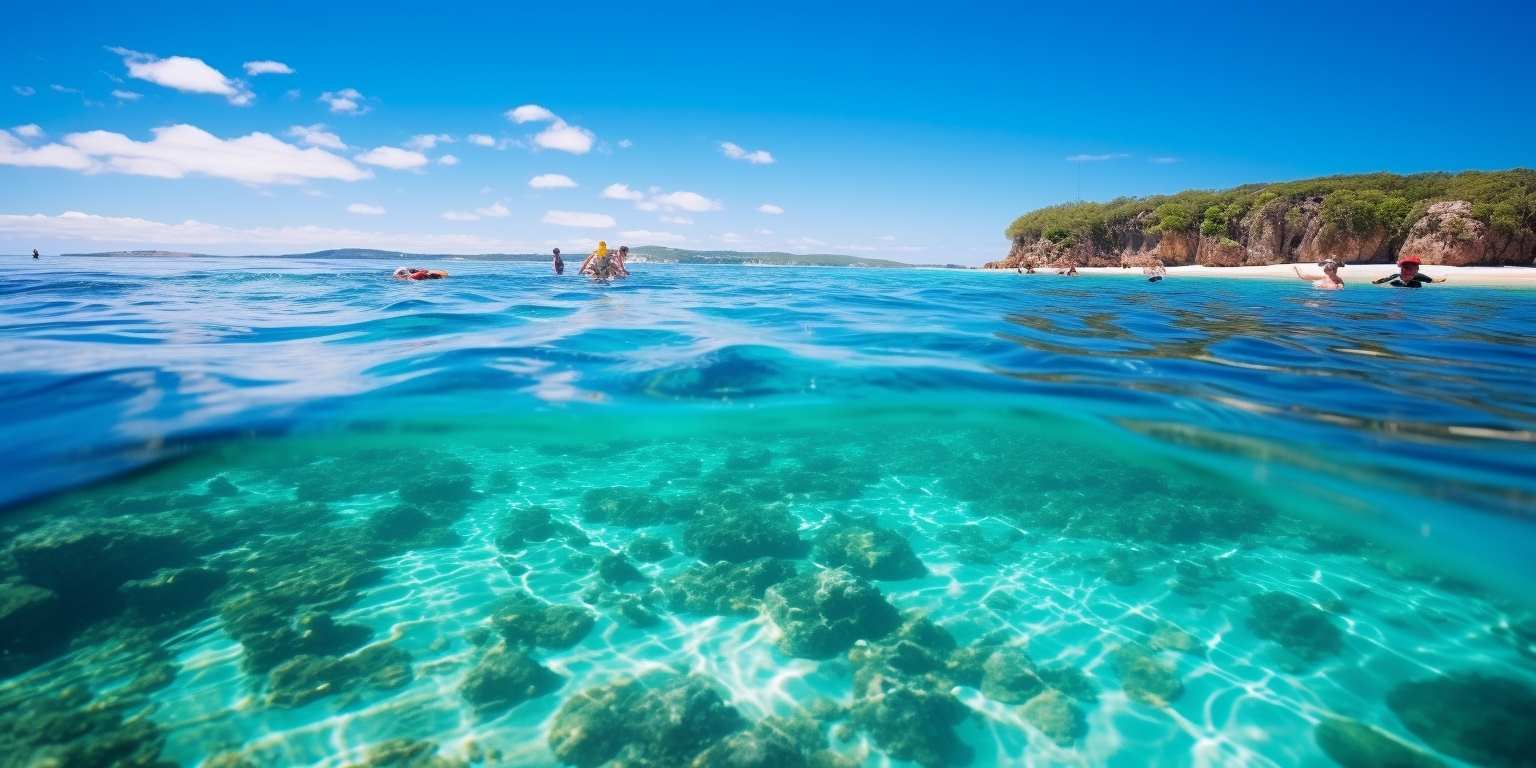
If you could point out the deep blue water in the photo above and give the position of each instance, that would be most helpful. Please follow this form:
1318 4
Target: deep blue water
1080 446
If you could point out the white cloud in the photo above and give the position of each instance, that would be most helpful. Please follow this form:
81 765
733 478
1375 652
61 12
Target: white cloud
559 135
755 157
56 88
770 208
551 181
530 113
145 233
24 90
393 158
346 101
122 95
267 67
578 219
675 219
651 237
625 143
887 238
448 160
425 141
316 136
495 211
364 209
480 139
622 192
29 131
459 216
14 152
692 202
1097 158
730 237
1164 160
179 150
184 73
764 232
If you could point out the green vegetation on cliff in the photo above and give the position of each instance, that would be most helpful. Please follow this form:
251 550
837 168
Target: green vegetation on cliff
1504 200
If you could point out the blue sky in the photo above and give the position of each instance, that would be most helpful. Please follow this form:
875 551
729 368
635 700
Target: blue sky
913 132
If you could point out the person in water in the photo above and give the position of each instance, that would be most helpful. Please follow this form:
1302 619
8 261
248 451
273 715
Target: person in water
621 267
559 263
1069 269
1408 275
1155 271
1329 280
415 273
600 264
34 253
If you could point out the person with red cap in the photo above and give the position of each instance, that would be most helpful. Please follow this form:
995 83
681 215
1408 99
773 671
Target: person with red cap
1408 275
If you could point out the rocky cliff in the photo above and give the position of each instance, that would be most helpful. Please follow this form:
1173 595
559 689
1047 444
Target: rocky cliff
1364 219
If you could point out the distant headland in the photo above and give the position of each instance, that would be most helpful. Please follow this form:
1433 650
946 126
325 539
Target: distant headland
1465 219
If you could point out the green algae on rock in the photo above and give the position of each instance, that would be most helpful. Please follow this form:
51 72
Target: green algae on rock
1144 677
1009 676
1303 629
660 720
1472 716
743 531
1356 745
303 679
726 588
1056 716
629 507
505 678
526 621
822 614
868 550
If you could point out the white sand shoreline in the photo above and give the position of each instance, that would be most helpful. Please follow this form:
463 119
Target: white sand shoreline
1353 274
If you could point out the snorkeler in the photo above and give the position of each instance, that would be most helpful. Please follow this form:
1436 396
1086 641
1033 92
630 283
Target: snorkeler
1329 281
415 273
1154 270
1408 275
559 263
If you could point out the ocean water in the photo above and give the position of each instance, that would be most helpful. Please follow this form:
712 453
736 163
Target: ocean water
283 513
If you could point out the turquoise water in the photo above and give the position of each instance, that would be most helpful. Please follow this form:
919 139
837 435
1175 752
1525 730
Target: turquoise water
277 513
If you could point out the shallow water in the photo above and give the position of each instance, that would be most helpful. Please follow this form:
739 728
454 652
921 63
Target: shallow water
282 513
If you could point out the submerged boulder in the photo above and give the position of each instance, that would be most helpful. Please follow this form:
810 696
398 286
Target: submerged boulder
615 568
869 551
913 723
1009 676
648 549
1146 678
1056 716
505 678
527 622
629 507
739 533
1471 716
524 525
303 679
172 592
822 614
1357 745
406 526
1303 629
726 588
85 561
662 720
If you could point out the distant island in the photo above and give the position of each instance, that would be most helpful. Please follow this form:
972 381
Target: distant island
1466 219
647 253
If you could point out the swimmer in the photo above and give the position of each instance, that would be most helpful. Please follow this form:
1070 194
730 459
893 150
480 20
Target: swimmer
1408 275
1329 280
1154 270
1070 270
415 273
599 264
619 266
559 263
34 253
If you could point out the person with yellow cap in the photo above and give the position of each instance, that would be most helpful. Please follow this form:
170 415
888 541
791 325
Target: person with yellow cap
597 264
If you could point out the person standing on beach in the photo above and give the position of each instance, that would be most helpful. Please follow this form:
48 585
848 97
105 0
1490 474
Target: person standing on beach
1408 275
559 263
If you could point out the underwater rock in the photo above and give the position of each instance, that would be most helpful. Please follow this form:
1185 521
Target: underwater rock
869 551
615 568
73 728
1144 677
830 477
1305 630
1071 682
1471 716
757 748
919 653
432 487
408 527
741 533
1356 745
85 561
725 588
661 720
1167 637
526 621
505 678
1191 577
172 592
1056 717
270 637
1120 570
1009 676
221 488
629 507
914 724
30 622
303 679
1002 602
407 753
648 549
523 525
822 614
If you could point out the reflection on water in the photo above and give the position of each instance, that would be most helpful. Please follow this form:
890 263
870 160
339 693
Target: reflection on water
922 519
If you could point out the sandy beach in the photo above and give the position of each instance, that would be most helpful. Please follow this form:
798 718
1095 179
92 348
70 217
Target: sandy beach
1353 275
